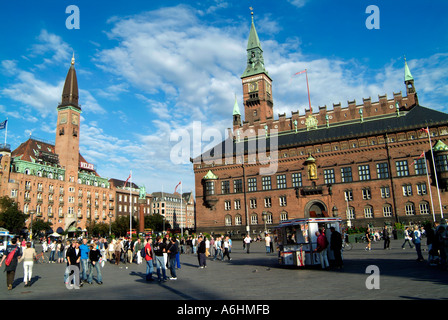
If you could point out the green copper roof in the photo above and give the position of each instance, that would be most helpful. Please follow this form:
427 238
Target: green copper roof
407 73
253 41
440 146
236 108
210 176
255 60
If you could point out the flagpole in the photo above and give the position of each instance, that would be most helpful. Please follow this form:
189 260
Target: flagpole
6 131
430 192
308 89
181 216
435 171
131 207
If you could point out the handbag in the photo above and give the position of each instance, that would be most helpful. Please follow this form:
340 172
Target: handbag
10 257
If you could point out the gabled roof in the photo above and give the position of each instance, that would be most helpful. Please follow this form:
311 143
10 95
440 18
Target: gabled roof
415 119
33 149
117 183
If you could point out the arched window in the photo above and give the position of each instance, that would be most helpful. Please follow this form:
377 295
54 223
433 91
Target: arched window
238 220
424 207
409 209
228 220
387 211
368 212
253 218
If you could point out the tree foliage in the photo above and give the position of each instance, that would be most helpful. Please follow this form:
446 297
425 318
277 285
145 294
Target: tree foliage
11 218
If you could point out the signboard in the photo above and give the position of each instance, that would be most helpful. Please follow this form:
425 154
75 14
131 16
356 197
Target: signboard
86 166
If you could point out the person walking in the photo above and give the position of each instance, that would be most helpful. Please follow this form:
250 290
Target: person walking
149 258
94 263
247 241
407 238
322 244
172 251
218 248
336 246
118 248
13 253
226 245
417 239
386 238
368 239
29 254
201 253
267 241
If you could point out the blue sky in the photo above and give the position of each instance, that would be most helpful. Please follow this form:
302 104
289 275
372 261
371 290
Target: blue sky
148 69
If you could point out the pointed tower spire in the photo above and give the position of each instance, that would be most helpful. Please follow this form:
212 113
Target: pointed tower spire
255 60
70 93
409 82
407 73
236 114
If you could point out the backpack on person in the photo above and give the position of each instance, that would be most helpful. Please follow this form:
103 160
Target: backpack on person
143 252
10 257
412 235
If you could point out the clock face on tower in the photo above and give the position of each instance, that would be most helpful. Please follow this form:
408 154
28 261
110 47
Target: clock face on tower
63 118
253 86
75 119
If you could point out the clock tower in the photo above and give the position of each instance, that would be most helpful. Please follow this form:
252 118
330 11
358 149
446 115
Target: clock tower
257 85
67 129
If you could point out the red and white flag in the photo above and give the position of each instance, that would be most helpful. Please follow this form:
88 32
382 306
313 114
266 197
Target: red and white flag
177 186
421 156
130 175
425 130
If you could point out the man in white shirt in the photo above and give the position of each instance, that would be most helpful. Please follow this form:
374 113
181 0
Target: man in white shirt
267 240
247 241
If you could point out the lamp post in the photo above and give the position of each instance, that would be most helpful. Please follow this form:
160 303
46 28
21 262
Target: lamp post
264 216
31 224
110 223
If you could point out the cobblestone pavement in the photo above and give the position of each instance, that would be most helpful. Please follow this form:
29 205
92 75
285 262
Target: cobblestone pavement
254 276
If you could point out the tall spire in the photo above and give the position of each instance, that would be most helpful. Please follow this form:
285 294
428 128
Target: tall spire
236 108
70 93
255 60
407 73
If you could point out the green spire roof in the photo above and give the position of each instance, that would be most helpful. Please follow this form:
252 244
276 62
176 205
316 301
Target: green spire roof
236 108
253 41
255 60
407 73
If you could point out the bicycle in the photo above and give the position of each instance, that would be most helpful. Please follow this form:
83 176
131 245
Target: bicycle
41 258
347 246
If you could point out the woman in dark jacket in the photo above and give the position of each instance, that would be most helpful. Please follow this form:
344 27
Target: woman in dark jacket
11 268
94 262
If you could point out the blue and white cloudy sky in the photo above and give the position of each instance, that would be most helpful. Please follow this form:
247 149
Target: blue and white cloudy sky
147 69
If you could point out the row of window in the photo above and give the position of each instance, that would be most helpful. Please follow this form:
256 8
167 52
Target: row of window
237 220
420 187
267 201
51 188
364 174
60 210
409 210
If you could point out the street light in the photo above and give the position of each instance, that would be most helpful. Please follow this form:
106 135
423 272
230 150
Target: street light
31 224
264 215
110 223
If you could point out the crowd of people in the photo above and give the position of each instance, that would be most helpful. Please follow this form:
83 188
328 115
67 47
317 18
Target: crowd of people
85 258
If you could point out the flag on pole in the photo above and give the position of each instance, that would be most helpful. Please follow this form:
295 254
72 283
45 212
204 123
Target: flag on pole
130 174
177 186
425 130
421 156
3 124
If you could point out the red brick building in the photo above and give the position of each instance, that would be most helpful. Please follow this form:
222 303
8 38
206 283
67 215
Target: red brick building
368 163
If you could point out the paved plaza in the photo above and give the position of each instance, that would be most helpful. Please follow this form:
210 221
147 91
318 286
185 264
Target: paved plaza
254 276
